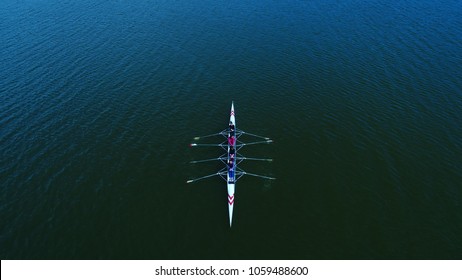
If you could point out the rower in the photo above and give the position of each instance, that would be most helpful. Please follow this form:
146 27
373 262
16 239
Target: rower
230 163
231 175
231 127
231 140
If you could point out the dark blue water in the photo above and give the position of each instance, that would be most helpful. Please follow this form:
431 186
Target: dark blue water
99 100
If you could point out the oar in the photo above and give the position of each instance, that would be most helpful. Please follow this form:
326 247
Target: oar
249 158
206 160
204 177
206 145
254 143
260 176
254 135
210 135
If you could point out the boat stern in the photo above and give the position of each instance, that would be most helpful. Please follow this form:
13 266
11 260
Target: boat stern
230 202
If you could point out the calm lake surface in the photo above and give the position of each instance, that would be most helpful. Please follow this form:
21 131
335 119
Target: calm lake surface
99 100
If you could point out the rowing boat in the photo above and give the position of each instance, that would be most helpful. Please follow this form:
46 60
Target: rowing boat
231 158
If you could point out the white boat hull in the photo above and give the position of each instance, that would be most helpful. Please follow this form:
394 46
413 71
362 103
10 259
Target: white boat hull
231 172
231 175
